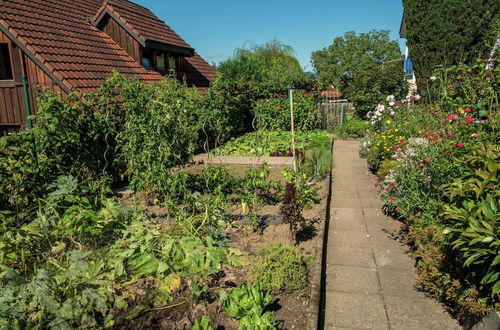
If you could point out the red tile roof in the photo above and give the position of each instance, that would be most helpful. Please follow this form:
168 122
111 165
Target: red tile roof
60 35
198 71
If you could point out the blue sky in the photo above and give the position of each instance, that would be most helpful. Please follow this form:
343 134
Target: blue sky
216 28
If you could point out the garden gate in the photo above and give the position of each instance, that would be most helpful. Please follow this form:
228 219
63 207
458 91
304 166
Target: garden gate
334 112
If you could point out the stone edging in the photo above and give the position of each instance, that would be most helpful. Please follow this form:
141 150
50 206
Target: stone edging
313 313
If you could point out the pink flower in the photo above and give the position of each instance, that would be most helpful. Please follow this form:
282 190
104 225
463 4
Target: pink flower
396 147
428 159
388 188
475 135
392 198
460 145
452 117
467 110
446 151
391 183
376 184
469 120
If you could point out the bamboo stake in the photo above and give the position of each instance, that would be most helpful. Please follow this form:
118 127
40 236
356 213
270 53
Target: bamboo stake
293 132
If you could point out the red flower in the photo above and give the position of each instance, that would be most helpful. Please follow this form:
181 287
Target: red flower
436 141
388 188
277 117
428 159
392 198
446 151
396 147
435 136
452 117
376 184
469 120
392 183
460 145
467 110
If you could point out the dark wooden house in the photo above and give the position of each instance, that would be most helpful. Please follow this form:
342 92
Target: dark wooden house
66 45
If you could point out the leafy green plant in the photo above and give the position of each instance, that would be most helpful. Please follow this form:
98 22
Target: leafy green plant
474 219
265 143
318 158
280 269
247 304
245 300
257 322
353 128
204 324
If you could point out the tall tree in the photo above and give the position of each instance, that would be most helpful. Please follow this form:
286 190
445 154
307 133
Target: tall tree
449 32
354 63
352 54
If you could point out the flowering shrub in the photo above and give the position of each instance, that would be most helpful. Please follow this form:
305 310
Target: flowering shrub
273 113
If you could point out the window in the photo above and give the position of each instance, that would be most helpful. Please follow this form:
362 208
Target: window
160 61
171 63
148 59
5 65
9 130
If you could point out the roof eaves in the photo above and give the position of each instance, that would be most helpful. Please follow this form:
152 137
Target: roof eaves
31 53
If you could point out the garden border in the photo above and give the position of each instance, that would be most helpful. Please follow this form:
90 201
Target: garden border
314 320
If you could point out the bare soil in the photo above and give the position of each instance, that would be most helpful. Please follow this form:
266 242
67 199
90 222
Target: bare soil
290 309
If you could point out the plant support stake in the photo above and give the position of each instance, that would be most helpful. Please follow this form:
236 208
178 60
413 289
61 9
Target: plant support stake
27 104
293 131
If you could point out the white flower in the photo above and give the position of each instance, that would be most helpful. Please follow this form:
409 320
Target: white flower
418 97
369 114
380 107
391 104
392 113
433 78
390 98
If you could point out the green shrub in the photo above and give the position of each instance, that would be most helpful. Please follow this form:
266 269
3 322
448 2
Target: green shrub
274 114
280 269
354 128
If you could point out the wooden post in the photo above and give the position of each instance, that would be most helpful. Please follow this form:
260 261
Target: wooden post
293 132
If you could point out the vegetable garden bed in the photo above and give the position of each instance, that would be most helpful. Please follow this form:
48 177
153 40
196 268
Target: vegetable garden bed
290 308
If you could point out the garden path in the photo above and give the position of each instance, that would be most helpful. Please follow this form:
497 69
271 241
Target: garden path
370 280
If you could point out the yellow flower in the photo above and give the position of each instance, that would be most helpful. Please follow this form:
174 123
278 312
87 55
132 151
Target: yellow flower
388 122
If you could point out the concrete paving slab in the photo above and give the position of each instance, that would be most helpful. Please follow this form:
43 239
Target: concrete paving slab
355 310
353 279
394 258
345 200
407 314
348 219
351 257
348 239
373 202
398 282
